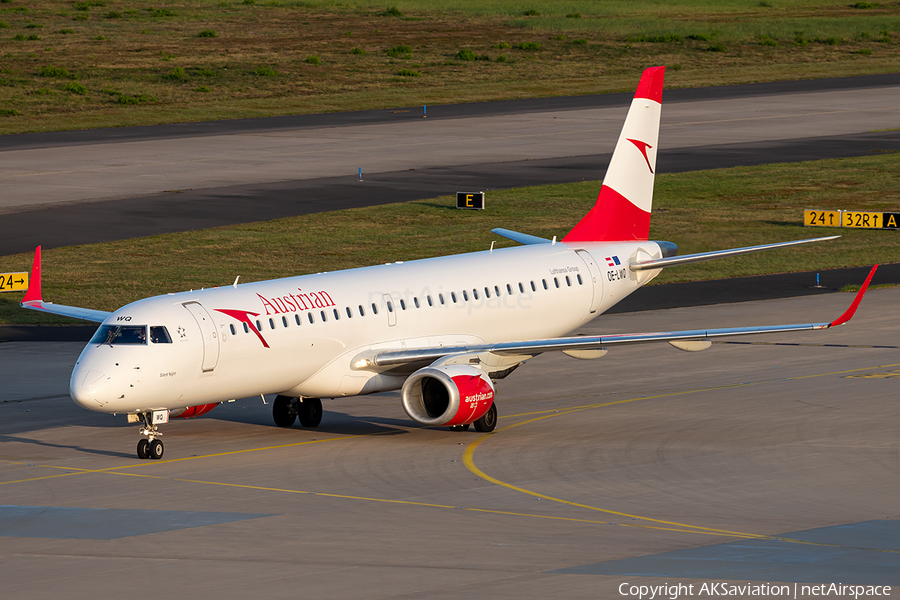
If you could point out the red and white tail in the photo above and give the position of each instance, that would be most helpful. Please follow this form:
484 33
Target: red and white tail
622 211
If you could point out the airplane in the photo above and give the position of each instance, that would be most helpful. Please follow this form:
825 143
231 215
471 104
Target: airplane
442 330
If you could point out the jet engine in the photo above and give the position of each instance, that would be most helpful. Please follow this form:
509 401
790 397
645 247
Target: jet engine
447 395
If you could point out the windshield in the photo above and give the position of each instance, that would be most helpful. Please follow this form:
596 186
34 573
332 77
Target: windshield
120 334
160 335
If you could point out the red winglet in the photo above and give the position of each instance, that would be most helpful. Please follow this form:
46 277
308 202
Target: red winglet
651 85
848 314
33 294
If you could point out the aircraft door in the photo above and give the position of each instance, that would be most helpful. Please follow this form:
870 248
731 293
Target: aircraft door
209 335
596 278
390 304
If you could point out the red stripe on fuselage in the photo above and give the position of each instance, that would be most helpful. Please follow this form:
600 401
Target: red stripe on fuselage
613 219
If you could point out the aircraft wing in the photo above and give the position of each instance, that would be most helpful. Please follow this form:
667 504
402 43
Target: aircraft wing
522 238
671 261
532 347
33 300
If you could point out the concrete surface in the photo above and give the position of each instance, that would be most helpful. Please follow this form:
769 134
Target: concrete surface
645 452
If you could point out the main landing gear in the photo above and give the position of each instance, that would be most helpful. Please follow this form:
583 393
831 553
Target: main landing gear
151 447
286 409
485 424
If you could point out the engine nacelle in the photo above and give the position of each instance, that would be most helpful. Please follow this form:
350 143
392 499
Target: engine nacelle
447 395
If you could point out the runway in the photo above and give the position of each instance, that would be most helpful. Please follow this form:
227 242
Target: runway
771 463
84 187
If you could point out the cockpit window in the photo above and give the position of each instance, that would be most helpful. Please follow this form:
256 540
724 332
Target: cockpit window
160 335
121 334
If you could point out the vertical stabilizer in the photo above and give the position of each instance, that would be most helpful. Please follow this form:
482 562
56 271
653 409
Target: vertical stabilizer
622 211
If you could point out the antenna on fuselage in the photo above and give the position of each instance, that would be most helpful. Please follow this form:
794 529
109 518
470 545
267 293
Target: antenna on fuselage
234 285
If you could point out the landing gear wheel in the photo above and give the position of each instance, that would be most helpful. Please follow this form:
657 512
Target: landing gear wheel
155 449
142 449
310 412
488 422
459 427
283 412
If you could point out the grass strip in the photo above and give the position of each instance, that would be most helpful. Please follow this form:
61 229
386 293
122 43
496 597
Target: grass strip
103 63
699 211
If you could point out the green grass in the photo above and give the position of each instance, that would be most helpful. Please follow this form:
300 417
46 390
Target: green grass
699 211
550 52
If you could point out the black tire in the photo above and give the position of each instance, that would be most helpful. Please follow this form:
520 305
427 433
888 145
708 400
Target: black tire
310 413
142 449
155 450
488 422
459 427
282 412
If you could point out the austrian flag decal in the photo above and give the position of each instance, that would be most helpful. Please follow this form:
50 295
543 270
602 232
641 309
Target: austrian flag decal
613 261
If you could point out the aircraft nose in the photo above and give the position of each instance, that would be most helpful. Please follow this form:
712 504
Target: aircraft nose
90 390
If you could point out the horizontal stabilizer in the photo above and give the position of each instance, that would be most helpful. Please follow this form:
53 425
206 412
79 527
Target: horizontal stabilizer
522 238
659 263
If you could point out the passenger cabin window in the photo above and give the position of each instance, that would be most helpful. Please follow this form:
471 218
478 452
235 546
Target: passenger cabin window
521 288
568 281
580 282
233 332
441 298
246 329
465 296
374 309
556 281
402 304
453 297
297 318
324 316
497 291
258 326
430 303
475 294
284 321
124 334
362 312
271 324
544 281
310 317
390 307
349 313
533 287
487 292
416 302
160 335
337 315
509 289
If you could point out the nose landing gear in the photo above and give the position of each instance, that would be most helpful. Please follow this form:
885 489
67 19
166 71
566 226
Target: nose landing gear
152 447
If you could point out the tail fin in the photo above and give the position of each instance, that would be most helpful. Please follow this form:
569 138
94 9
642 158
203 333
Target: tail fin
622 211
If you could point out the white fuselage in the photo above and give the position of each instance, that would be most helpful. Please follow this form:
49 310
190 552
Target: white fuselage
299 336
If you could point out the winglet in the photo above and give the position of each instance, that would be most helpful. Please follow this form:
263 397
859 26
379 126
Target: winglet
848 314
33 294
